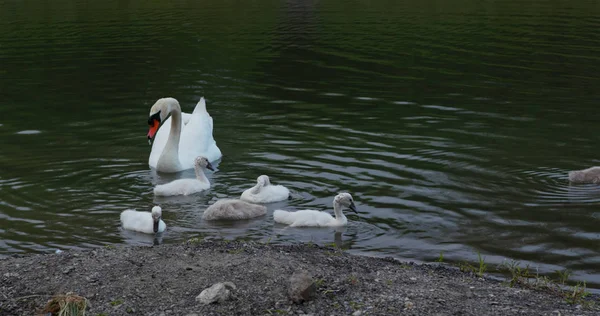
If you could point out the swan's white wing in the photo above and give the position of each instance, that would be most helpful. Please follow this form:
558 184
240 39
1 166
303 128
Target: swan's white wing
197 138
268 194
160 141
303 218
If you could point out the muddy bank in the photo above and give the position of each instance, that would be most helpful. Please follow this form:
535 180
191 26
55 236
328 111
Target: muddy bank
166 279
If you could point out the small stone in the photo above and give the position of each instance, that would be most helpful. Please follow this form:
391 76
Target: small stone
301 287
409 305
218 292
413 279
67 270
193 314
357 313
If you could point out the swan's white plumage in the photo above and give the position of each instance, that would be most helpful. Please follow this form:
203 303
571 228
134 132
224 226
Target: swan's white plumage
265 192
187 186
143 221
308 218
589 175
196 136
232 209
181 187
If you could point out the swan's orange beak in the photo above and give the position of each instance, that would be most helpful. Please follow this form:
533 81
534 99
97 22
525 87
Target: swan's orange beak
154 125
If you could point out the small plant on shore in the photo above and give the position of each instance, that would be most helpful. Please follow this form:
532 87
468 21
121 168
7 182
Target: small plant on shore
577 294
353 280
195 240
519 275
482 265
268 240
66 305
441 257
273 311
563 275
235 251
466 267
116 302
332 245
356 305
319 283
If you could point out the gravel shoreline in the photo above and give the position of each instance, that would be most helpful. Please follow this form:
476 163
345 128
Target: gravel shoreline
166 279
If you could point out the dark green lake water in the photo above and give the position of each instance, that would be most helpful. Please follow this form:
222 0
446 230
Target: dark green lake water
453 124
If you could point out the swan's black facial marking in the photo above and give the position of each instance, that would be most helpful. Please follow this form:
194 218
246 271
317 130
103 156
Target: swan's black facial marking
153 117
154 122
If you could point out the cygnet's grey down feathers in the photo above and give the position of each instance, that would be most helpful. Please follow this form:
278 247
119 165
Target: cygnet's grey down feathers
589 175
233 209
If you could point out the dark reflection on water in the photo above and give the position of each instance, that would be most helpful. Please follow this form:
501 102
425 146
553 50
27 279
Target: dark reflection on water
453 126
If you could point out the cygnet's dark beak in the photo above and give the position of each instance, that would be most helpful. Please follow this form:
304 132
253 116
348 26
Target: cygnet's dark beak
353 207
156 222
210 167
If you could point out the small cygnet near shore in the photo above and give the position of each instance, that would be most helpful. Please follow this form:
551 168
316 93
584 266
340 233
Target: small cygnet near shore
589 175
308 218
233 209
144 222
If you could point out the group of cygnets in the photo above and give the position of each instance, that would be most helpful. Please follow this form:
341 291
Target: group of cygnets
189 143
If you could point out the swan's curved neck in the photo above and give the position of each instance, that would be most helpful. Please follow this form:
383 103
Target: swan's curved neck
337 209
200 174
256 188
170 154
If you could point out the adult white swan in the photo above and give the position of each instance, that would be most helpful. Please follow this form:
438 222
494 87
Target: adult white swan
189 136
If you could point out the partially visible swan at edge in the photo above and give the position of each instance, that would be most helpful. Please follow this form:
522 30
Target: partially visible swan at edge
232 209
314 218
144 222
187 186
589 175
174 148
265 192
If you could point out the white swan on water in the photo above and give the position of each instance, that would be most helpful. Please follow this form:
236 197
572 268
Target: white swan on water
187 186
144 222
189 136
232 209
265 192
306 218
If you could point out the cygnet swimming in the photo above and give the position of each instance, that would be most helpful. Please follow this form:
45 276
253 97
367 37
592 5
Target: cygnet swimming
589 175
265 192
232 209
144 222
307 218
187 186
